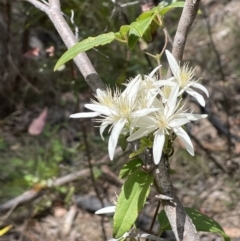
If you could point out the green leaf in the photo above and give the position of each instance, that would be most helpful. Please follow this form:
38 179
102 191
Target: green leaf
122 141
179 4
85 45
201 221
147 14
141 26
133 38
144 143
130 201
138 29
171 171
124 31
130 167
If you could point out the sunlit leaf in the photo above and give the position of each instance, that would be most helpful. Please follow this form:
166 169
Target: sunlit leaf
124 31
142 27
164 10
85 45
130 167
202 223
144 143
130 201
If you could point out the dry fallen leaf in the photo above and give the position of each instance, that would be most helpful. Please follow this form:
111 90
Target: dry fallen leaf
37 125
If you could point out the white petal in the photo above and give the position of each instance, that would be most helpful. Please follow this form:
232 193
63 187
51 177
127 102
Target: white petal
100 92
194 117
84 115
201 87
132 88
144 112
172 63
102 128
104 110
157 104
139 133
185 138
169 82
113 139
110 209
177 122
154 71
199 97
158 143
171 102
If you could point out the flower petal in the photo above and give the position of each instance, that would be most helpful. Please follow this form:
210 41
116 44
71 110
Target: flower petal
172 63
102 128
84 115
179 121
169 82
199 97
182 134
132 88
113 139
194 117
139 133
144 112
154 71
158 143
110 209
101 109
171 102
201 87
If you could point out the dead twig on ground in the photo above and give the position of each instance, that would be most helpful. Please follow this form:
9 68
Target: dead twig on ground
33 194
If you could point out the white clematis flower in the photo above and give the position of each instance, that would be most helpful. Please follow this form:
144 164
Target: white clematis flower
184 77
168 119
117 110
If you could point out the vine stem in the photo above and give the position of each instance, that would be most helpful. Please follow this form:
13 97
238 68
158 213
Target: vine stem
180 222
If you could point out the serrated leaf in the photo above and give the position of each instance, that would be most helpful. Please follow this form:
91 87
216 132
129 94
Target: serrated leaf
130 201
124 31
83 46
132 39
164 10
130 167
201 221
147 36
138 30
148 14
140 26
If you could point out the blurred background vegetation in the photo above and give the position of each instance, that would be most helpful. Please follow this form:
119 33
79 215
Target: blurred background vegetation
29 49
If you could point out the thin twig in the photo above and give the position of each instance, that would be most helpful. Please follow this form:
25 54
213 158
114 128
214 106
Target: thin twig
82 61
14 67
188 15
33 194
154 217
88 154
